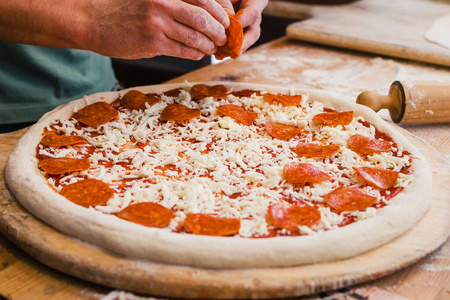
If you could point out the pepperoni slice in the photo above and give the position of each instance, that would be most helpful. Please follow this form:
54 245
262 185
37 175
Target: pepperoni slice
349 199
235 37
238 113
96 114
290 217
88 192
334 119
245 93
300 173
201 91
315 151
58 141
179 112
367 146
284 100
137 100
62 165
147 214
377 177
282 131
172 93
207 225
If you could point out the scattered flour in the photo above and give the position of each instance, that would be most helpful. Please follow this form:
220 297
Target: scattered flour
434 268
122 295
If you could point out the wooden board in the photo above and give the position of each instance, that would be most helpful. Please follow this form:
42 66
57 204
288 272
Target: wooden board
76 258
386 27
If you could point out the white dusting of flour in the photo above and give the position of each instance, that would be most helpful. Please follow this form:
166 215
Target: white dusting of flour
434 268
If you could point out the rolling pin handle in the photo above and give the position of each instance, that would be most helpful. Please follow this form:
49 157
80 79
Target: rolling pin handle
393 101
374 100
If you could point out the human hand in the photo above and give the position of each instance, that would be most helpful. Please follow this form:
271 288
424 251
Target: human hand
142 29
250 19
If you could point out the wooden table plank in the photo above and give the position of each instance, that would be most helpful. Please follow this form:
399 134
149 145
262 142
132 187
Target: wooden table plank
21 276
387 27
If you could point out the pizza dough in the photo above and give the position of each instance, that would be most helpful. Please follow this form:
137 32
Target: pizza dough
439 32
107 231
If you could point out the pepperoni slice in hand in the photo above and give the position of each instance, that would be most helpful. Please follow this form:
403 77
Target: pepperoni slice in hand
147 214
334 119
88 192
377 177
349 199
137 100
58 141
315 151
207 225
96 114
367 146
235 38
179 112
290 217
201 91
282 131
238 113
300 173
284 100
62 165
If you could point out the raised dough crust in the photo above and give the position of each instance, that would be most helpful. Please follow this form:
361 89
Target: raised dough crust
132 240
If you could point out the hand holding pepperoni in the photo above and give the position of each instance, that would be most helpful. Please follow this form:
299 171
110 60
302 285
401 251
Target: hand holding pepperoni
137 29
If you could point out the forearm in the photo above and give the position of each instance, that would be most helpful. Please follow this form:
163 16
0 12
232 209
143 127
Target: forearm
56 23
117 28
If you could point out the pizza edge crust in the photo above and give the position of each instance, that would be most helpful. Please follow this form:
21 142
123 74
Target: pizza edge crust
131 240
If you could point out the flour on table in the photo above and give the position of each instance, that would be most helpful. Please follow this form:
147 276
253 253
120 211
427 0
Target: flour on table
439 32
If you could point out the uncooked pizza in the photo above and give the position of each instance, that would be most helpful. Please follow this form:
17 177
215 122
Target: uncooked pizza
221 175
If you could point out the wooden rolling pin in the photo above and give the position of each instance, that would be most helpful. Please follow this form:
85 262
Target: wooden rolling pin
415 102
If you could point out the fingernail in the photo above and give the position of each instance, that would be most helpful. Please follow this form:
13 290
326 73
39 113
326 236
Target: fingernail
226 22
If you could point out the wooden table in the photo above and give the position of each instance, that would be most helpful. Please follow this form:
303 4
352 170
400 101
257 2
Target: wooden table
286 63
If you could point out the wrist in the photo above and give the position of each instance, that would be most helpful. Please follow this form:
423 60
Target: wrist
78 28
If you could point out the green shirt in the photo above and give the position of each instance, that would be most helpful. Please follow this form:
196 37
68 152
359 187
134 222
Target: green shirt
34 80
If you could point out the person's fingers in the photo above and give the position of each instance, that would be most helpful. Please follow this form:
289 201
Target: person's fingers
251 35
191 38
214 8
227 6
252 12
177 49
200 20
